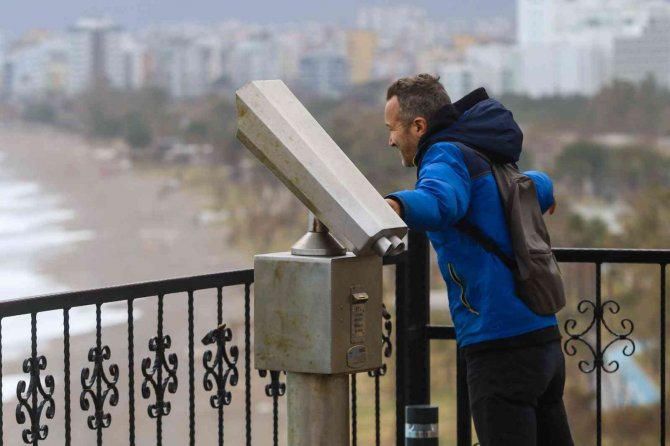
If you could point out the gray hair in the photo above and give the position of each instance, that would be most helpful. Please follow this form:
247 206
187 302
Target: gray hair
421 95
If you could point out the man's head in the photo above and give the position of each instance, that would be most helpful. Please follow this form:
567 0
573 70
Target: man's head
410 102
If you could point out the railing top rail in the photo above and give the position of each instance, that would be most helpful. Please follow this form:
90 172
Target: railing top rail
589 255
441 332
71 299
36 304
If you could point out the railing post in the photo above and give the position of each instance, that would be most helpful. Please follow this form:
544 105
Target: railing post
412 318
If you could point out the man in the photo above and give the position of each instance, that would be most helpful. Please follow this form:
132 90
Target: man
516 369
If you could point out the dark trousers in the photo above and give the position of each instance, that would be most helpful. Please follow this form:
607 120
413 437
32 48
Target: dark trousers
516 396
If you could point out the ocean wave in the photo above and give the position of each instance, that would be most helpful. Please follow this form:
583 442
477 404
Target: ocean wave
32 225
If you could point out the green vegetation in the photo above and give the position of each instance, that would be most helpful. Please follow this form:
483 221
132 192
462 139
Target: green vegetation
137 132
41 112
621 108
619 173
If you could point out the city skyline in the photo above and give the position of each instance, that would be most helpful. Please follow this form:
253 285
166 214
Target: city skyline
553 48
132 14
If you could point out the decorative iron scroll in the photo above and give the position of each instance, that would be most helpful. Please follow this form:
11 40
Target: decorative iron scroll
100 419
387 345
28 395
276 388
215 372
153 376
597 353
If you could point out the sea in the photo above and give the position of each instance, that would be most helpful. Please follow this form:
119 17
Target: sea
33 226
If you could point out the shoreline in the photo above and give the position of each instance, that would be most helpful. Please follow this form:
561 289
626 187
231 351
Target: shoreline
138 233
130 215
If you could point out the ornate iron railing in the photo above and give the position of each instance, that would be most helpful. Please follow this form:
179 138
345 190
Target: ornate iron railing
588 336
599 311
105 383
40 396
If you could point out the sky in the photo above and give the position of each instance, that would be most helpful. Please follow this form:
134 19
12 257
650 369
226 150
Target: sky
18 16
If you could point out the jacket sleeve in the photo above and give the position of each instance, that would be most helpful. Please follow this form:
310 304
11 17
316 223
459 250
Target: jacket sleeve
544 187
442 193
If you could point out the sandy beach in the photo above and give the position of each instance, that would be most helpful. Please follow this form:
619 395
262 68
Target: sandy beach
137 228
132 216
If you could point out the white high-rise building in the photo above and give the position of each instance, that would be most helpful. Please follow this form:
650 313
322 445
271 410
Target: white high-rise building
392 64
498 67
494 66
325 73
562 69
187 68
3 66
408 26
536 21
646 56
567 46
459 78
257 58
36 67
291 48
134 63
580 21
95 55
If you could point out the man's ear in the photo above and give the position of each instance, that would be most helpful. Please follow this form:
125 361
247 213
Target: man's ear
420 125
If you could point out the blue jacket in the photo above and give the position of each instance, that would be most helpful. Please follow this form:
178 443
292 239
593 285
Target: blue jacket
452 185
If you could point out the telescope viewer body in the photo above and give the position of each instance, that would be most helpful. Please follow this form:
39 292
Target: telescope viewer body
283 135
317 308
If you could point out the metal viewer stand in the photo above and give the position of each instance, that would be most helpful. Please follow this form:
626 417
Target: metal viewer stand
317 308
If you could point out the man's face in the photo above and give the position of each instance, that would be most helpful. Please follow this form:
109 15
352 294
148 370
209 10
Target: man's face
403 137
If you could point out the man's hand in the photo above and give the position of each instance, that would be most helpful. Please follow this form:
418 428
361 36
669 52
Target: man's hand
552 209
395 206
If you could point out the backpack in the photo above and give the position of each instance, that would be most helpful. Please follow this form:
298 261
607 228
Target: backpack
536 273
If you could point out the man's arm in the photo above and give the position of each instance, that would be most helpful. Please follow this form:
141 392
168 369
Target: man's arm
395 205
442 193
545 190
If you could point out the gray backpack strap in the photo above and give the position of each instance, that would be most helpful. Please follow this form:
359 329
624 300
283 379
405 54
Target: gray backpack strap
470 229
536 272
538 277
487 243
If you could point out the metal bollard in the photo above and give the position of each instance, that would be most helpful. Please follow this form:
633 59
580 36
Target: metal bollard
421 425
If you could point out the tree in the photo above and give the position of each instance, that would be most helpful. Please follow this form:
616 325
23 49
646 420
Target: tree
137 132
579 163
647 224
40 111
613 173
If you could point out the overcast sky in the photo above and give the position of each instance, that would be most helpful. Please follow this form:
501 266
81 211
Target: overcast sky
17 16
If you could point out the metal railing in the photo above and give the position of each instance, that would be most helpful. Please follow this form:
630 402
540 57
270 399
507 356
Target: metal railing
413 385
39 395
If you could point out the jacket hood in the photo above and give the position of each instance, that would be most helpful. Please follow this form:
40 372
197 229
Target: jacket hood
476 121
